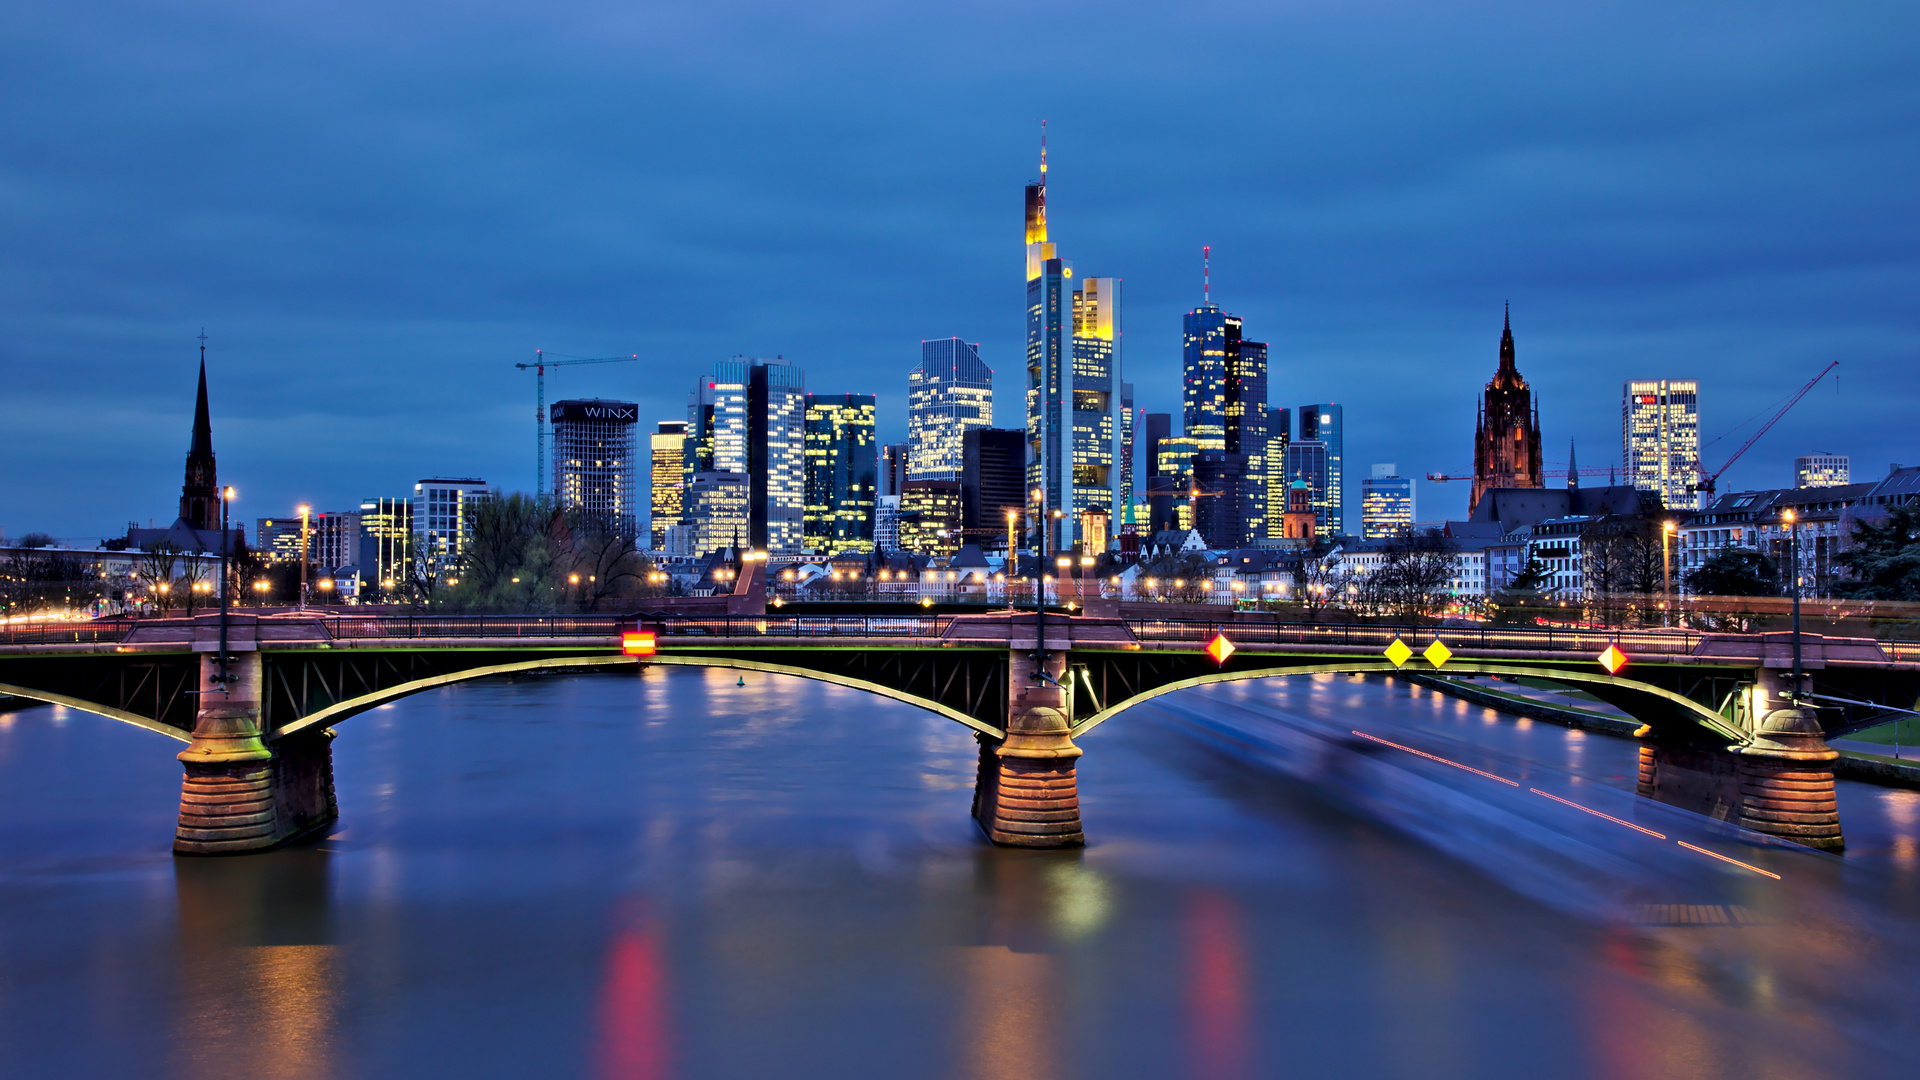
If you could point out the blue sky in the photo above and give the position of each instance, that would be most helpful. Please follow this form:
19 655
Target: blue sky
377 209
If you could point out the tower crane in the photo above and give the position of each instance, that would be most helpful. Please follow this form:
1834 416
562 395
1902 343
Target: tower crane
540 365
1705 483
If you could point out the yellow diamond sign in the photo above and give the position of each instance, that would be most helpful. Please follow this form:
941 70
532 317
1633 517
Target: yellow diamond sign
1219 648
1399 653
1613 659
1437 654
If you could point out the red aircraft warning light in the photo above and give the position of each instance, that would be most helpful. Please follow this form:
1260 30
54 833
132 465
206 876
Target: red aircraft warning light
639 643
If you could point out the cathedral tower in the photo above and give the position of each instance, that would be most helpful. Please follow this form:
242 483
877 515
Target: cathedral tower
1506 441
199 494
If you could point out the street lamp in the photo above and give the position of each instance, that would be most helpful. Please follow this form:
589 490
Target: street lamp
1667 529
1793 568
306 513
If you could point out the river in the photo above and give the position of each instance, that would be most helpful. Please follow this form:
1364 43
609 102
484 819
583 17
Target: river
672 875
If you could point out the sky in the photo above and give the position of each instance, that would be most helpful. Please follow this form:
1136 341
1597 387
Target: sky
375 210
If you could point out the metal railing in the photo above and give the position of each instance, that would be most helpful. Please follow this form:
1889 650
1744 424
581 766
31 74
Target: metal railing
1545 639
92 632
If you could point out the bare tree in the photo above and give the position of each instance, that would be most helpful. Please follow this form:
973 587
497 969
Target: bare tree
157 565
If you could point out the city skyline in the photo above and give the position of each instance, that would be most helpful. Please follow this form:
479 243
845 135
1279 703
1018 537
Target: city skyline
1374 281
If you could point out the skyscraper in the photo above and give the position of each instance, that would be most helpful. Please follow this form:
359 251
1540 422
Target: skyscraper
1506 437
1326 423
1127 463
1279 436
1154 427
593 462
717 422
667 479
1307 464
1096 398
716 511
842 473
777 456
951 391
1224 399
1821 470
930 517
386 542
1049 377
1660 439
1386 504
893 467
991 482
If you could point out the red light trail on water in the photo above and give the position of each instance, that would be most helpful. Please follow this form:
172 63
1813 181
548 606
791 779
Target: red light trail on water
1597 813
1723 858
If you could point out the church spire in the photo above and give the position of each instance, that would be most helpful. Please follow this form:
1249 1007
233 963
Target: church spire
202 444
199 501
1506 344
1573 469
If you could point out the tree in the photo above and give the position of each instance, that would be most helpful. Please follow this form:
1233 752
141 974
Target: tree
1735 572
1322 578
1523 600
1411 581
1883 559
1177 575
157 565
35 540
1623 567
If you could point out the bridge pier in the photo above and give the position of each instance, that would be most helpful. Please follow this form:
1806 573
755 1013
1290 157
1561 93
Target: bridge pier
239 795
1026 793
1779 781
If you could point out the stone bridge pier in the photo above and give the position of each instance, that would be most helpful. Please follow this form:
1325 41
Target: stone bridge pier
1779 781
240 795
1026 794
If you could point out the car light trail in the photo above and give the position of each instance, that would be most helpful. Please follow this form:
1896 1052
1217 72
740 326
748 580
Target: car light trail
1723 858
1441 760
1597 813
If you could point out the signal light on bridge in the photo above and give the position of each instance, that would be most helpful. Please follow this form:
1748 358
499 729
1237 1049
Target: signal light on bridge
1613 659
1398 652
1220 648
639 643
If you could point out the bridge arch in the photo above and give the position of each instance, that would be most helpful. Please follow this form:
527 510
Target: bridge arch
354 706
1656 708
94 707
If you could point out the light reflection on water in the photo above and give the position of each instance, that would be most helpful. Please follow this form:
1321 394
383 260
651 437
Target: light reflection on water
676 876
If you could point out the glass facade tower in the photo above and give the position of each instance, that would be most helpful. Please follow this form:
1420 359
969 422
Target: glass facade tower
1098 419
842 473
951 391
1660 439
1386 504
1326 423
593 461
667 482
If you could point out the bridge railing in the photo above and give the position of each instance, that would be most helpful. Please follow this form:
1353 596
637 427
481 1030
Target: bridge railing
475 626
1547 639
91 632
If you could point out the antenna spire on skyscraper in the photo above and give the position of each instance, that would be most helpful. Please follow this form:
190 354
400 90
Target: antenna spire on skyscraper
1206 274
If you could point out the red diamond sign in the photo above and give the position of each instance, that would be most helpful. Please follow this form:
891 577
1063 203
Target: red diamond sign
1613 659
1219 648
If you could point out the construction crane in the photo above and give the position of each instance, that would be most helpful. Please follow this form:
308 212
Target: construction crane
540 365
1442 478
1699 470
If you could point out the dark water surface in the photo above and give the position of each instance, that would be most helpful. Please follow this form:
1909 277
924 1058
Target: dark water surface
671 876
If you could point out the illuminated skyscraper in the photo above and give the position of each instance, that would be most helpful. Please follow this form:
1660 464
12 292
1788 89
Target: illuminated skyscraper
777 455
1097 420
842 473
716 511
593 461
1821 470
665 475
717 422
951 391
1224 399
930 515
1386 504
1048 384
1307 464
1279 435
1327 424
1660 439
443 514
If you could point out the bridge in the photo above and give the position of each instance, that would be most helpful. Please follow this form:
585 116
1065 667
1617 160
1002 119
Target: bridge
1722 731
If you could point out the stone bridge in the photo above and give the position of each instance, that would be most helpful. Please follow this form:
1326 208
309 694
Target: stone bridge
1721 730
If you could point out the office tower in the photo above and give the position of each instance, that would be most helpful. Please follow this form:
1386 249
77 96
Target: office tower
842 473
1506 436
1175 461
386 541
1386 504
277 540
893 467
1327 424
951 391
1129 480
666 473
930 517
1821 470
1049 383
1247 435
777 456
334 539
443 509
716 511
1279 435
1096 397
886 523
1660 439
993 460
1307 463
1154 428
594 470
717 422
1224 398
1220 499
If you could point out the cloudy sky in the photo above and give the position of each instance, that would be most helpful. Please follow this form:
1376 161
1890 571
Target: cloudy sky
376 209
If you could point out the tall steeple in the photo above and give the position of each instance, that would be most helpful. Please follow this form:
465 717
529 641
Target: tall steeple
199 493
1573 469
1506 440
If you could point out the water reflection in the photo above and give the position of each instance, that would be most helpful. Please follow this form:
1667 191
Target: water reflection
634 1022
1219 1013
259 971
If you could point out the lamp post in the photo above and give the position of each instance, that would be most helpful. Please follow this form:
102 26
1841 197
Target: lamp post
305 514
226 501
1667 528
1793 569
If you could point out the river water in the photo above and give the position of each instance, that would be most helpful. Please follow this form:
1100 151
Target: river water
671 875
